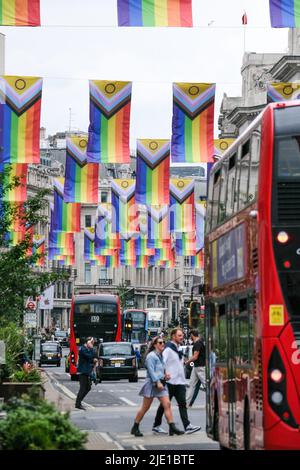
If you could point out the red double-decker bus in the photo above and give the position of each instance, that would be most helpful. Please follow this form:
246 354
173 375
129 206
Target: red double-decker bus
96 315
252 283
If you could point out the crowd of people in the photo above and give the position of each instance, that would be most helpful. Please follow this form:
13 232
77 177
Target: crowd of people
165 379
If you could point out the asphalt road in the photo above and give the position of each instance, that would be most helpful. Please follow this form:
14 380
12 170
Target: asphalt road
111 408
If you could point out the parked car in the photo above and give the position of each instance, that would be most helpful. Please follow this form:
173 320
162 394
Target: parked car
62 337
51 353
143 351
117 361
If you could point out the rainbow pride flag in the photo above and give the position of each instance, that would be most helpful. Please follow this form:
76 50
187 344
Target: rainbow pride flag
155 13
200 207
285 13
110 104
221 145
81 178
127 251
20 13
283 92
125 210
38 248
106 239
17 172
62 240
141 261
152 172
182 205
66 215
193 122
158 226
198 260
185 244
20 113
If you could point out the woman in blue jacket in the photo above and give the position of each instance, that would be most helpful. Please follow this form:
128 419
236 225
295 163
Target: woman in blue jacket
155 386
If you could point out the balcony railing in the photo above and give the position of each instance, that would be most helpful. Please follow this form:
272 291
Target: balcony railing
105 282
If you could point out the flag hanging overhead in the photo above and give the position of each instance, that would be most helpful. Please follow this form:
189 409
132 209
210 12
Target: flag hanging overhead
182 205
109 122
155 13
20 112
193 122
221 145
158 226
39 249
20 13
283 92
16 193
285 13
81 181
152 172
200 219
125 215
66 215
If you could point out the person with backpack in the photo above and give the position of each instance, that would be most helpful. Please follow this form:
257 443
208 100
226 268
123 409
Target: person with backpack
198 372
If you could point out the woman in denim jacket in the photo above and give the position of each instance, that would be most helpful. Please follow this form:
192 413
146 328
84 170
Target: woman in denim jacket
155 386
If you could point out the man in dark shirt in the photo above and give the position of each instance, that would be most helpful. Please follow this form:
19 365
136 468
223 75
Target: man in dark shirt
198 358
85 367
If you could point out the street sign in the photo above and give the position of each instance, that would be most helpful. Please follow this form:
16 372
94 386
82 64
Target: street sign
30 305
30 320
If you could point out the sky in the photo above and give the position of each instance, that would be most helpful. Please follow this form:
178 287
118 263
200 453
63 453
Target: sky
80 40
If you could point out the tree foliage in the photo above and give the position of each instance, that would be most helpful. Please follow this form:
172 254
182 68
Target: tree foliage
19 279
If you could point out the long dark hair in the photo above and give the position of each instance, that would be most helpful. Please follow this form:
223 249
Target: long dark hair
152 345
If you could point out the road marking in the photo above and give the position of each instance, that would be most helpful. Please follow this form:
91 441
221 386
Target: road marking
140 447
66 391
128 402
105 436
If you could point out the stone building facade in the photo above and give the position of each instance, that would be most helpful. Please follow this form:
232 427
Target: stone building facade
257 71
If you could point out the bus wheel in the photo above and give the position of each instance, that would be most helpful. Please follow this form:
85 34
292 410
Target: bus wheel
246 427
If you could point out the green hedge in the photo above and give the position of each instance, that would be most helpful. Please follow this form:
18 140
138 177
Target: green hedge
37 425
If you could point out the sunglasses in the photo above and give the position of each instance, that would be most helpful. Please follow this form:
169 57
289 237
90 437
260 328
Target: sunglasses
160 342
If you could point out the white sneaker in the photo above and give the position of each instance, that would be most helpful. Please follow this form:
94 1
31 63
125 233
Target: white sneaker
159 430
190 429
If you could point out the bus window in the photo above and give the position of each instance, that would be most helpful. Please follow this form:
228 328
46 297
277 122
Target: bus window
216 194
243 320
288 157
222 203
221 345
244 175
230 185
255 157
209 208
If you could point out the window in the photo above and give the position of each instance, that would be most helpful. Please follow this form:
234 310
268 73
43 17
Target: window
244 175
69 290
222 203
221 333
104 196
288 156
63 290
59 290
88 220
103 273
255 157
230 185
87 273
242 332
216 194
209 206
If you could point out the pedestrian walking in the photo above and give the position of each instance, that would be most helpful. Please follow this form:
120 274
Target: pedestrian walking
173 358
198 371
85 369
155 387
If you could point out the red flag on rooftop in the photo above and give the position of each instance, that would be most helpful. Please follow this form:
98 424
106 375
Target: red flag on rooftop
244 18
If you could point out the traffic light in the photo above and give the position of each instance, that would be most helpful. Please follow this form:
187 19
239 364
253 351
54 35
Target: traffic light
128 323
